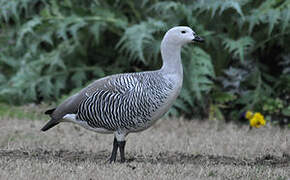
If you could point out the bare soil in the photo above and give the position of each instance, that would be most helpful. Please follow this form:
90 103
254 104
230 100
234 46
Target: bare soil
172 149
162 158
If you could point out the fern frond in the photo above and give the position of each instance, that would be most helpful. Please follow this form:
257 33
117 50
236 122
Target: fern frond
45 87
138 37
234 4
285 63
8 61
213 6
182 106
165 6
78 78
2 78
285 15
273 18
27 28
95 29
273 13
13 9
239 47
198 71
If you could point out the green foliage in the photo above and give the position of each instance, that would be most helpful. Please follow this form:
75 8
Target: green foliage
272 106
51 48
196 82
239 47
286 111
29 111
138 40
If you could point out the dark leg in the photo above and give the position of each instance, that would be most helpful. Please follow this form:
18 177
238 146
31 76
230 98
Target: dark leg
114 151
121 145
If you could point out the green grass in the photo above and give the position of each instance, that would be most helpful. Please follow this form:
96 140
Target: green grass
30 111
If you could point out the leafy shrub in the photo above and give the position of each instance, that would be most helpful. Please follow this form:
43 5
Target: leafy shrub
49 48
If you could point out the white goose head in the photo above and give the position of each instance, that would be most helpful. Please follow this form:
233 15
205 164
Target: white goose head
181 35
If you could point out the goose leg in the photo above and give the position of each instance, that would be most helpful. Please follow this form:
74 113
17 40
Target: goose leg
114 151
121 145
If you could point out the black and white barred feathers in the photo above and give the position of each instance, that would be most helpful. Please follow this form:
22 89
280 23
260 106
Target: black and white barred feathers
127 102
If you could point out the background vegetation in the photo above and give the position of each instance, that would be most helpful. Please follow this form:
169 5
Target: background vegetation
51 48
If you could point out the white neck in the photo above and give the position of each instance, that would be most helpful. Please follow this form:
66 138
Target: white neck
170 53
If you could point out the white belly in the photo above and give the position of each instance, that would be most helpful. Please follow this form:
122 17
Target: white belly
72 118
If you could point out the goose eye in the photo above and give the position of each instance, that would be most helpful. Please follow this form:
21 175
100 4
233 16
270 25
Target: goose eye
183 32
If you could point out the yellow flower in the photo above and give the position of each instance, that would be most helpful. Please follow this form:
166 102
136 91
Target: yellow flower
257 120
249 115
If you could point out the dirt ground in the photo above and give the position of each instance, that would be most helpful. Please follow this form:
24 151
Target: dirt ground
171 149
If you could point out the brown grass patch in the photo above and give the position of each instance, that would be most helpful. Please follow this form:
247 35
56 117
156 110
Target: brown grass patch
172 149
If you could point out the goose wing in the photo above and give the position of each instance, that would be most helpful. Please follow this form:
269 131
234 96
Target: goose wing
70 105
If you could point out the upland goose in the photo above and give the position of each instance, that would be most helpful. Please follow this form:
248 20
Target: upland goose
130 102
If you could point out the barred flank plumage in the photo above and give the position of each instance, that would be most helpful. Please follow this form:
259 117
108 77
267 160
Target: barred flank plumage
129 105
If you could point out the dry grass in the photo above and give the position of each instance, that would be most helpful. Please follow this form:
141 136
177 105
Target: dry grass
172 149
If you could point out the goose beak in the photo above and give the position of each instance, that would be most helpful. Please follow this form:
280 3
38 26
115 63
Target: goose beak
198 39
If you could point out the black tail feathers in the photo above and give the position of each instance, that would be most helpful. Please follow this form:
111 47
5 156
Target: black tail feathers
50 111
51 123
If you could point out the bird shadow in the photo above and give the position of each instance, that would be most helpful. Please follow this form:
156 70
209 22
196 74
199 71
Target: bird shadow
101 157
